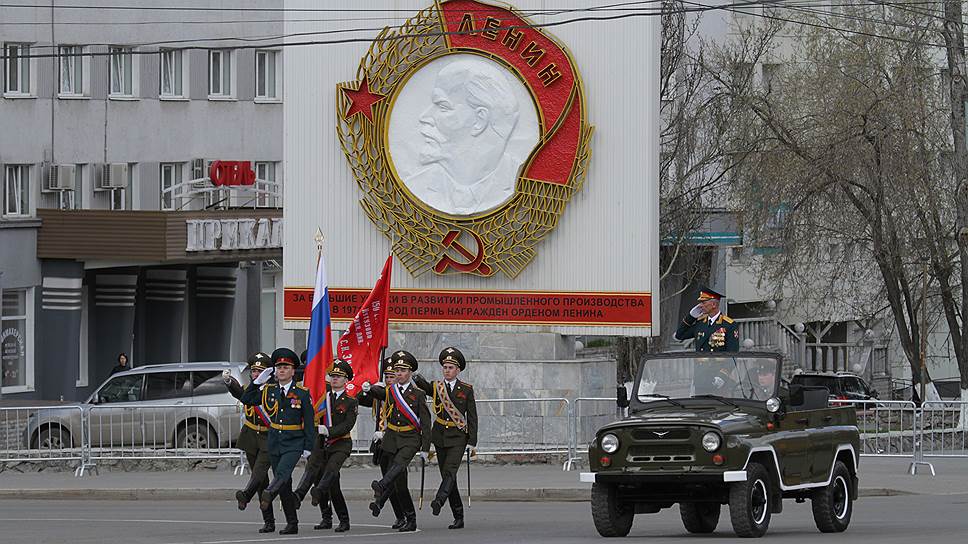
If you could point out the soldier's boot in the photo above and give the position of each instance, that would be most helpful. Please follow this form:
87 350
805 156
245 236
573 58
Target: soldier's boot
442 492
400 522
270 522
292 521
244 496
458 518
270 493
397 512
304 485
411 523
320 491
325 523
383 487
342 513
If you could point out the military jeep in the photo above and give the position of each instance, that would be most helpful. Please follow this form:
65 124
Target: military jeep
707 430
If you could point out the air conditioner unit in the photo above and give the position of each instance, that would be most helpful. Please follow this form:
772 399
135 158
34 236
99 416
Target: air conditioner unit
60 177
114 176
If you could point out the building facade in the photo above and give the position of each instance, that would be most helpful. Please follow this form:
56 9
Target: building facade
142 181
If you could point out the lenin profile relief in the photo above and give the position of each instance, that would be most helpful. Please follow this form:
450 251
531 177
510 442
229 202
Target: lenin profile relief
460 130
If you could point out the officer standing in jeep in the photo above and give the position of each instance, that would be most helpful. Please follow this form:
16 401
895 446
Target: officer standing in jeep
252 440
712 329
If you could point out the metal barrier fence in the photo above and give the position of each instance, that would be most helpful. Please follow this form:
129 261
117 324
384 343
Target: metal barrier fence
27 434
943 428
887 428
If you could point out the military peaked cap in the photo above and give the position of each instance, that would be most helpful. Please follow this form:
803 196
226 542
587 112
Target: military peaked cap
341 368
285 356
708 294
259 360
453 356
404 359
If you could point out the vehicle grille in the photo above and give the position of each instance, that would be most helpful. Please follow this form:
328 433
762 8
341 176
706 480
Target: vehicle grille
672 433
678 453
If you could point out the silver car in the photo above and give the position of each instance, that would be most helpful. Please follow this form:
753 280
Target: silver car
178 405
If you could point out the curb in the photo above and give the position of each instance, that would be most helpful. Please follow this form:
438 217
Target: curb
485 494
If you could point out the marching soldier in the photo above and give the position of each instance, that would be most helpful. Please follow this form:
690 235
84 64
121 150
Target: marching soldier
291 430
381 411
252 440
333 446
408 432
455 428
711 328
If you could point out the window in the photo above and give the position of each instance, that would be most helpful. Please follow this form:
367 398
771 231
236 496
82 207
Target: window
207 382
171 175
118 199
122 72
220 73
172 74
121 389
168 385
267 191
16 69
265 75
16 190
16 336
72 78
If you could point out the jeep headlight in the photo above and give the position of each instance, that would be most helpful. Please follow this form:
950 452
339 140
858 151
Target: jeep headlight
610 443
772 405
711 441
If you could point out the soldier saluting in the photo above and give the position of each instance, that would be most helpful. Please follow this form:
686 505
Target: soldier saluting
711 328
408 432
252 440
381 411
292 432
455 428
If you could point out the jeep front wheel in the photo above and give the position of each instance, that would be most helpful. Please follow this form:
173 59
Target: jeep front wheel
749 503
612 517
832 505
699 517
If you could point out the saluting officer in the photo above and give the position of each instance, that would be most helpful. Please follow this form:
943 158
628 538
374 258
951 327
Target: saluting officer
291 429
455 428
712 329
381 411
252 440
408 432
333 446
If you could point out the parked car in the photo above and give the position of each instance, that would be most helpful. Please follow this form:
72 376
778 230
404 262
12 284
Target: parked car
841 385
720 429
184 405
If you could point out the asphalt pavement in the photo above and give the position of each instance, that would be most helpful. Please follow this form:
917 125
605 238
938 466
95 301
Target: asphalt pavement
881 520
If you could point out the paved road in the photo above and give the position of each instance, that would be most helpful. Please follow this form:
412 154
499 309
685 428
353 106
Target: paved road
881 520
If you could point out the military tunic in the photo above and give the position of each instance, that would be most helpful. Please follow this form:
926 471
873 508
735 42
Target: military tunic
253 438
330 452
402 439
720 335
381 410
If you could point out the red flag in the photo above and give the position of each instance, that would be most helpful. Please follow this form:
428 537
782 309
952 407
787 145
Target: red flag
360 345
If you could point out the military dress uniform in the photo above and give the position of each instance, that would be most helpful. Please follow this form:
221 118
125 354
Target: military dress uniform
381 411
408 431
454 429
253 441
332 449
711 333
291 432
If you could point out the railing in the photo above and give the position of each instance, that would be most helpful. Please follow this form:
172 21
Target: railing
887 428
29 434
943 428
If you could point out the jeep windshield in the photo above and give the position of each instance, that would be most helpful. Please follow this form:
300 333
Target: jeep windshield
727 377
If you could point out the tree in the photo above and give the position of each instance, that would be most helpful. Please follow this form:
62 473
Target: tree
853 151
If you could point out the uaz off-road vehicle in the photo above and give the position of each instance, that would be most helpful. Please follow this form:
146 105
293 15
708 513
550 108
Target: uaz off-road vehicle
705 431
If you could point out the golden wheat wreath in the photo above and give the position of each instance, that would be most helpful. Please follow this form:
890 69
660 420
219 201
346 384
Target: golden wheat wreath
422 237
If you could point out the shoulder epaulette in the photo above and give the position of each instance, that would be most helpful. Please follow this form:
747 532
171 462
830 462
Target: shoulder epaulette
304 388
469 386
727 319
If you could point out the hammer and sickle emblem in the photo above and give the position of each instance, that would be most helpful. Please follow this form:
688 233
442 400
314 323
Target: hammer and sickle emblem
475 263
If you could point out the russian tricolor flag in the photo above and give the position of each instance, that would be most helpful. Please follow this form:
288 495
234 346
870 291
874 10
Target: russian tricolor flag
319 352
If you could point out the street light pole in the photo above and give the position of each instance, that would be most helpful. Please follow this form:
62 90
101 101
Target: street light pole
1 326
924 326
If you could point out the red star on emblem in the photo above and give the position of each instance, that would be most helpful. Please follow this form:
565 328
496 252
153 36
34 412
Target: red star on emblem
361 100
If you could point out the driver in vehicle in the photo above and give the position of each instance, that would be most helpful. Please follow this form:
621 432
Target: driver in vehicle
715 376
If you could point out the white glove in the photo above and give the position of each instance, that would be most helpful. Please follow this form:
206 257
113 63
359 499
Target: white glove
227 376
696 311
264 376
718 382
377 436
305 454
424 455
365 387
323 430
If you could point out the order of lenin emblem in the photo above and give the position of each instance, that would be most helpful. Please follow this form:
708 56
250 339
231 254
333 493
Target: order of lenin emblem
466 132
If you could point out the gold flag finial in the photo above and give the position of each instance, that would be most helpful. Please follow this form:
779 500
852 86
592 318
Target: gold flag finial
319 239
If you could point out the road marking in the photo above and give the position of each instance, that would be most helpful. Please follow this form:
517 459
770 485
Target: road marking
210 522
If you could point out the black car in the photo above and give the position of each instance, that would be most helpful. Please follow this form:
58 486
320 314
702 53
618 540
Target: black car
841 385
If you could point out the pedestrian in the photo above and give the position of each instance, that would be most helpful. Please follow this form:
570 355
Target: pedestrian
253 440
333 447
712 329
291 429
408 432
122 364
454 428
381 411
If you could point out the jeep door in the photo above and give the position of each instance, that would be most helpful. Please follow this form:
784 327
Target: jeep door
114 420
792 445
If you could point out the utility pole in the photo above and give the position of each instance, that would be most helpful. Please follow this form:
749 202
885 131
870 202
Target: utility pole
924 328
954 39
